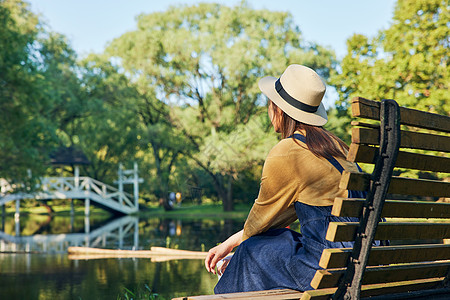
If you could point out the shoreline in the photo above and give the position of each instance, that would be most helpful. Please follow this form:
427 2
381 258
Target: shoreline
211 211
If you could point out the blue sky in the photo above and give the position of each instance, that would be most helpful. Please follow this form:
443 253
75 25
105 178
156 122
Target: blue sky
91 24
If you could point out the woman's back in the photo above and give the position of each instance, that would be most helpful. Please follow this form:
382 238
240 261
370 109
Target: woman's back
300 180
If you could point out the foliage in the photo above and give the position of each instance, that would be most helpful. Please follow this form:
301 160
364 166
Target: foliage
41 94
406 62
108 131
179 94
139 294
50 99
338 121
22 130
203 81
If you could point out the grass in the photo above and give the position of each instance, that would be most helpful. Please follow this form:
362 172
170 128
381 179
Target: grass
140 294
209 210
57 209
196 211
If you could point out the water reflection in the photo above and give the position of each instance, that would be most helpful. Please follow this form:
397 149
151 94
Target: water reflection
38 276
45 234
113 232
47 273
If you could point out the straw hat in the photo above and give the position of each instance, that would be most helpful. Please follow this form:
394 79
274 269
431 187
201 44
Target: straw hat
298 92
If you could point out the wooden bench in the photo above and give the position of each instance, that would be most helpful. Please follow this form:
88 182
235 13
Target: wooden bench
416 264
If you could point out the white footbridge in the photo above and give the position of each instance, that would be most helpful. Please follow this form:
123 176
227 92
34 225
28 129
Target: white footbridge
84 188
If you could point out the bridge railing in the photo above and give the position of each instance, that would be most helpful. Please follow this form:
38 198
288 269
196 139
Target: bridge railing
86 185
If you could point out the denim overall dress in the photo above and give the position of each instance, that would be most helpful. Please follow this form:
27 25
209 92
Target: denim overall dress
283 258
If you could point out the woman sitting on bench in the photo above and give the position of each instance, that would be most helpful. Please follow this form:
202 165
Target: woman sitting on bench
300 179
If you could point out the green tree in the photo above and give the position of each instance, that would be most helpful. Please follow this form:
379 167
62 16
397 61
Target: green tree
26 135
198 66
107 129
48 99
407 62
124 124
161 144
61 85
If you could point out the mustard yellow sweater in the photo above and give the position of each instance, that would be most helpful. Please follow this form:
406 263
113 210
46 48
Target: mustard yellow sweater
292 173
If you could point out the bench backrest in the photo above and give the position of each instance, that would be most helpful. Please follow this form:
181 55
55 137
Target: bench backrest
416 261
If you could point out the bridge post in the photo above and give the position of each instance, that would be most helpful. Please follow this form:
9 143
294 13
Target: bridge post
17 213
77 177
87 229
72 208
87 204
120 183
3 217
133 178
87 200
17 217
72 222
136 186
136 234
87 226
120 236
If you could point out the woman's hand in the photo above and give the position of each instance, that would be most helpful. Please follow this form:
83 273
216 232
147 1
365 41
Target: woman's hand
215 254
221 251
223 264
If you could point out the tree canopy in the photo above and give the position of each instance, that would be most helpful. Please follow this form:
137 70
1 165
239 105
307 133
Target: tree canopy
179 94
407 62
25 133
198 67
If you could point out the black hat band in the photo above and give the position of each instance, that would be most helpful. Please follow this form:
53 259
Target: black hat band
292 101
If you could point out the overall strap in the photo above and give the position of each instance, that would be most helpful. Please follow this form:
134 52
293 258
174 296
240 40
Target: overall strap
332 160
337 165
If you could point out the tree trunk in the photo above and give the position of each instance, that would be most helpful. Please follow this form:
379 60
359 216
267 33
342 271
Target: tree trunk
167 204
228 204
163 173
224 191
224 187
163 184
162 188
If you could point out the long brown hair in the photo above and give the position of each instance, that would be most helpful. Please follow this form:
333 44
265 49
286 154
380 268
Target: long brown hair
319 141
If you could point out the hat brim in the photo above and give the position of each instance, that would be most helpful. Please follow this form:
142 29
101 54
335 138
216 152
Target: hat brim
318 118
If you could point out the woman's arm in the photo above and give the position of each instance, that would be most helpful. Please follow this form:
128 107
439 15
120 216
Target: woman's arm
278 191
217 253
273 207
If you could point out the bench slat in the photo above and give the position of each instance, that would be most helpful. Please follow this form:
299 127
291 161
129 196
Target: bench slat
346 231
383 274
370 109
362 124
398 185
417 161
414 140
377 289
269 294
338 257
345 207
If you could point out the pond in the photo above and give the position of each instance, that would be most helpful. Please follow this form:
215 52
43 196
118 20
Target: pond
34 263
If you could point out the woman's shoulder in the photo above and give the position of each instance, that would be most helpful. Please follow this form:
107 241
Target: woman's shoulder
285 148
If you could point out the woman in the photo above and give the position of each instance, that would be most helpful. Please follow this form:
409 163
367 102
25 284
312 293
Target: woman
300 179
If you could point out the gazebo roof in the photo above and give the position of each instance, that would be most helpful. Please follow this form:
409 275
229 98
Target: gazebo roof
68 156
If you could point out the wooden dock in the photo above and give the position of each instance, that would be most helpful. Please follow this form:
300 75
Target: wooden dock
156 254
